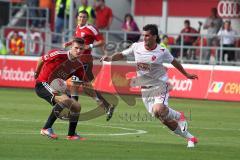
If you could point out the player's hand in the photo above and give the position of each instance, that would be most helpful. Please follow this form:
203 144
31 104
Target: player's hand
87 47
191 76
36 75
106 58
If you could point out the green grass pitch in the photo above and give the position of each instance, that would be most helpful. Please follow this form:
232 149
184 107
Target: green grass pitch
130 135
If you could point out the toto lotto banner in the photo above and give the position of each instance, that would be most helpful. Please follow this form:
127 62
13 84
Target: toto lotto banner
214 83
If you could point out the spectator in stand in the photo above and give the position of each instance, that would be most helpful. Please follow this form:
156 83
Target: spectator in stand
227 39
90 11
45 5
33 12
16 44
129 25
213 24
164 42
104 15
62 16
3 50
188 40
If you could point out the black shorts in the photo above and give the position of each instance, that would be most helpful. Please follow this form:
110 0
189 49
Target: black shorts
44 91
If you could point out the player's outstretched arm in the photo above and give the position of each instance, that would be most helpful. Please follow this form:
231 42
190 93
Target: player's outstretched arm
115 57
96 44
38 68
177 65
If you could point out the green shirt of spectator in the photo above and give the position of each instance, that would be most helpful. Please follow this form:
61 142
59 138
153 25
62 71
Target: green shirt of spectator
3 50
164 42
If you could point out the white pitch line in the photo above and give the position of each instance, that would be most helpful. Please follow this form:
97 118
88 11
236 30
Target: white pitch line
136 131
87 123
121 134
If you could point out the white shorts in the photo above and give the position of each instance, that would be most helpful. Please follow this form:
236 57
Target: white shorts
154 95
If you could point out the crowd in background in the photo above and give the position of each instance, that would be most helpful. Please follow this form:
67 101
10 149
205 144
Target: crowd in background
219 32
101 16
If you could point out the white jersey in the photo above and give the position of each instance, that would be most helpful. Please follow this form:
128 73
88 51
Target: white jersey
150 69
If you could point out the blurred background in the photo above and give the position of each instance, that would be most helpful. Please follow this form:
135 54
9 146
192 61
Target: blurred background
203 35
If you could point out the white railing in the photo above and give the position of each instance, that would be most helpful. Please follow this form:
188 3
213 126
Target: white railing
116 39
199 53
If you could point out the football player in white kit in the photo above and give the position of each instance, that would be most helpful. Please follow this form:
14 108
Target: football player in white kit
153 80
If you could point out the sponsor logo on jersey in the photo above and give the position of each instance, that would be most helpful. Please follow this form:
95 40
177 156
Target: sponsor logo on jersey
153 58
82 34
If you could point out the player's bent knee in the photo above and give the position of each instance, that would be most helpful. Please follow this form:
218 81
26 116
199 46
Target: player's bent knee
159 110
61 99
71 104
76 107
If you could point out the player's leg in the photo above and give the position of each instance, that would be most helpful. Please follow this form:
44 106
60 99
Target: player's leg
109 108
156 102
87 88
44 91
156 99
74 113
157 105
175 121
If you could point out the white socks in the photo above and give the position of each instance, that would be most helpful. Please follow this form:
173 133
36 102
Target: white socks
173 115
184 134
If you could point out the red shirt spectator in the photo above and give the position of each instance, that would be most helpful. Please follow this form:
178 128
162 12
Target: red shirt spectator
103 15
188 39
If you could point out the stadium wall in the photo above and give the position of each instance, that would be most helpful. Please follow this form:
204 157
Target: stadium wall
214 83
179 10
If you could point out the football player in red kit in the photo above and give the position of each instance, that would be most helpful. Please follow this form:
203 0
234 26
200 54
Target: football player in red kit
92 39
60 64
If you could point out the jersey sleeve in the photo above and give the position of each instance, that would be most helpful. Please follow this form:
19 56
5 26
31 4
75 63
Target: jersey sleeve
110 14
130 50
52 54
97 35
168 58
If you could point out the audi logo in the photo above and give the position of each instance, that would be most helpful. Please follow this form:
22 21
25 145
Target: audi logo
229 8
